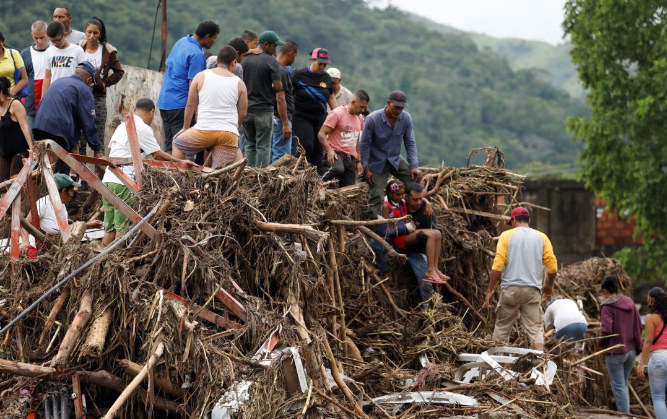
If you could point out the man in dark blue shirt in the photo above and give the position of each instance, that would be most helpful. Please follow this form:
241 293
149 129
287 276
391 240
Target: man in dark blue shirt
384 131
185 61
67 109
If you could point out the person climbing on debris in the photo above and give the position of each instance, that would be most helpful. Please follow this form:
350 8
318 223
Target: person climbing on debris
563 316
115 222
520 254
405 236
48 221
619 323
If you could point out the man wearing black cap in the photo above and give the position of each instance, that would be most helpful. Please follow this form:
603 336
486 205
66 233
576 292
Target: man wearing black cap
67 108
520 255
384 131
261 74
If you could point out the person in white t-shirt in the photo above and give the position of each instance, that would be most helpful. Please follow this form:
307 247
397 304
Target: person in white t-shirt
34 58
119 147
564 316
61 57
48 221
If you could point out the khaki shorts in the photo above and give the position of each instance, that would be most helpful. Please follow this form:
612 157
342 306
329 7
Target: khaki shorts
524 300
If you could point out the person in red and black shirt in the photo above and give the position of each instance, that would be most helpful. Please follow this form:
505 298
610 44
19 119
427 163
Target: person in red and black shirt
312 91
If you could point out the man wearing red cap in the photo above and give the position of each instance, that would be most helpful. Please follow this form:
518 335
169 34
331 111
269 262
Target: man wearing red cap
520 254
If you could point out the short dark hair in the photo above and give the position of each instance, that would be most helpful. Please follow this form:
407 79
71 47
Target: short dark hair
145 104
227 55
412 186
362 95
239 45
67 9
249 35
610 283
55 28
522 219
97 21
207 27
290 46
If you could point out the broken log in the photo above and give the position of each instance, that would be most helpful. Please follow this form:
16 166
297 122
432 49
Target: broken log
97 335
127 392
162 383
386 246
308 231
74 331
339 380
32 229
52 317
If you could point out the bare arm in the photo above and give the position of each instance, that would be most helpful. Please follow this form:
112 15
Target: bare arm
242 104
284 116
493 280
193 100
277 86
23 82
18 111
161 155
46 83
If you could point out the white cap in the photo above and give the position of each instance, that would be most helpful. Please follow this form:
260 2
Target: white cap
334 72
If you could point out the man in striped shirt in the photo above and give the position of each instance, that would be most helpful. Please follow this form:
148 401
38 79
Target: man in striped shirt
520 255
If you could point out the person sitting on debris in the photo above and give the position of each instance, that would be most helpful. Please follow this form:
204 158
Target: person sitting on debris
221 101
48 220
404 235
564 317
619 323
115 222
520 254
339 137
655 346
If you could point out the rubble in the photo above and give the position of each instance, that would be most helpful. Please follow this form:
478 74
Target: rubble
258 297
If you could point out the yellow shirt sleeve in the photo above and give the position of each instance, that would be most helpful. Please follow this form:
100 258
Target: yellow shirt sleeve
500 260
548 256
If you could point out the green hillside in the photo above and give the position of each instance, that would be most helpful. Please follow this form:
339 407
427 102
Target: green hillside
460 97
553 61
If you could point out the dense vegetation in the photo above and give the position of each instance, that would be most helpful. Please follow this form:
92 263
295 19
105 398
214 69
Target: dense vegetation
620 49
460 97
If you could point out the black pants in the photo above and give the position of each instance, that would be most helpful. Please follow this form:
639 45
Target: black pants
344 169
306 128
172 122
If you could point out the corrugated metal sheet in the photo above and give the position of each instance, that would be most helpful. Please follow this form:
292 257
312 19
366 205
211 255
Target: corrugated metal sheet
137 83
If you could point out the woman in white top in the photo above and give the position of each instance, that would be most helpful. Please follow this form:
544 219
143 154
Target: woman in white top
564 316
222 103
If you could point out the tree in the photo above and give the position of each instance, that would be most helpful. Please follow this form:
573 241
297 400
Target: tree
620 48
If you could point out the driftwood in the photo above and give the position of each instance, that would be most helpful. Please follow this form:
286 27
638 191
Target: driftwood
465 301
339 380
391 253
353 223
308 231
226 169
52 317
97 335
74 331
137 380
161 383
32 229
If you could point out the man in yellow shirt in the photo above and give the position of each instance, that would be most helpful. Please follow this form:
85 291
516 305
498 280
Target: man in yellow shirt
520 255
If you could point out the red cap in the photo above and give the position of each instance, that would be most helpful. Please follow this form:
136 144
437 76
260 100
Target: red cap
518 212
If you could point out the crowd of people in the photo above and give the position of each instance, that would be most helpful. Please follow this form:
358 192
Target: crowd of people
248 100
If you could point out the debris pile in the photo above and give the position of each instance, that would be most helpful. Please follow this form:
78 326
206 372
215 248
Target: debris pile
259 298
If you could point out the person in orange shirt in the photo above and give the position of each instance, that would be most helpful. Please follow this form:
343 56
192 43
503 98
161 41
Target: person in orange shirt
520 255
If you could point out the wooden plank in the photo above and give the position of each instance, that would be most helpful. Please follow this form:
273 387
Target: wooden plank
135 149
54 196
205 314
16 230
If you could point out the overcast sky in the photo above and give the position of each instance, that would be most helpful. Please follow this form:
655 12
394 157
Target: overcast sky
526 19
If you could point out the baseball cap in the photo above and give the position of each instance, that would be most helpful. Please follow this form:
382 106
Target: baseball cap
334 73
399 98
89 68
518 212
64 181
321 55
270 36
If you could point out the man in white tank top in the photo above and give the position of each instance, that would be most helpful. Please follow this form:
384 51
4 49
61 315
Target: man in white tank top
222 102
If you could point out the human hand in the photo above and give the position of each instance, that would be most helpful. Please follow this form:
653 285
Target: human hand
331 156
23 249
547 293
640 372
368 176
428 208
188 162
416 174
360 169
287 132
488 298
94 224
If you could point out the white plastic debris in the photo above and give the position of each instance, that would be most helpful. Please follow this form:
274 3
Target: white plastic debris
431 397
228 405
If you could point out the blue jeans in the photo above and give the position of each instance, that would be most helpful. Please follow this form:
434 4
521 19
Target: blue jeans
657 377
279 147
573 332
620 367
417 262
